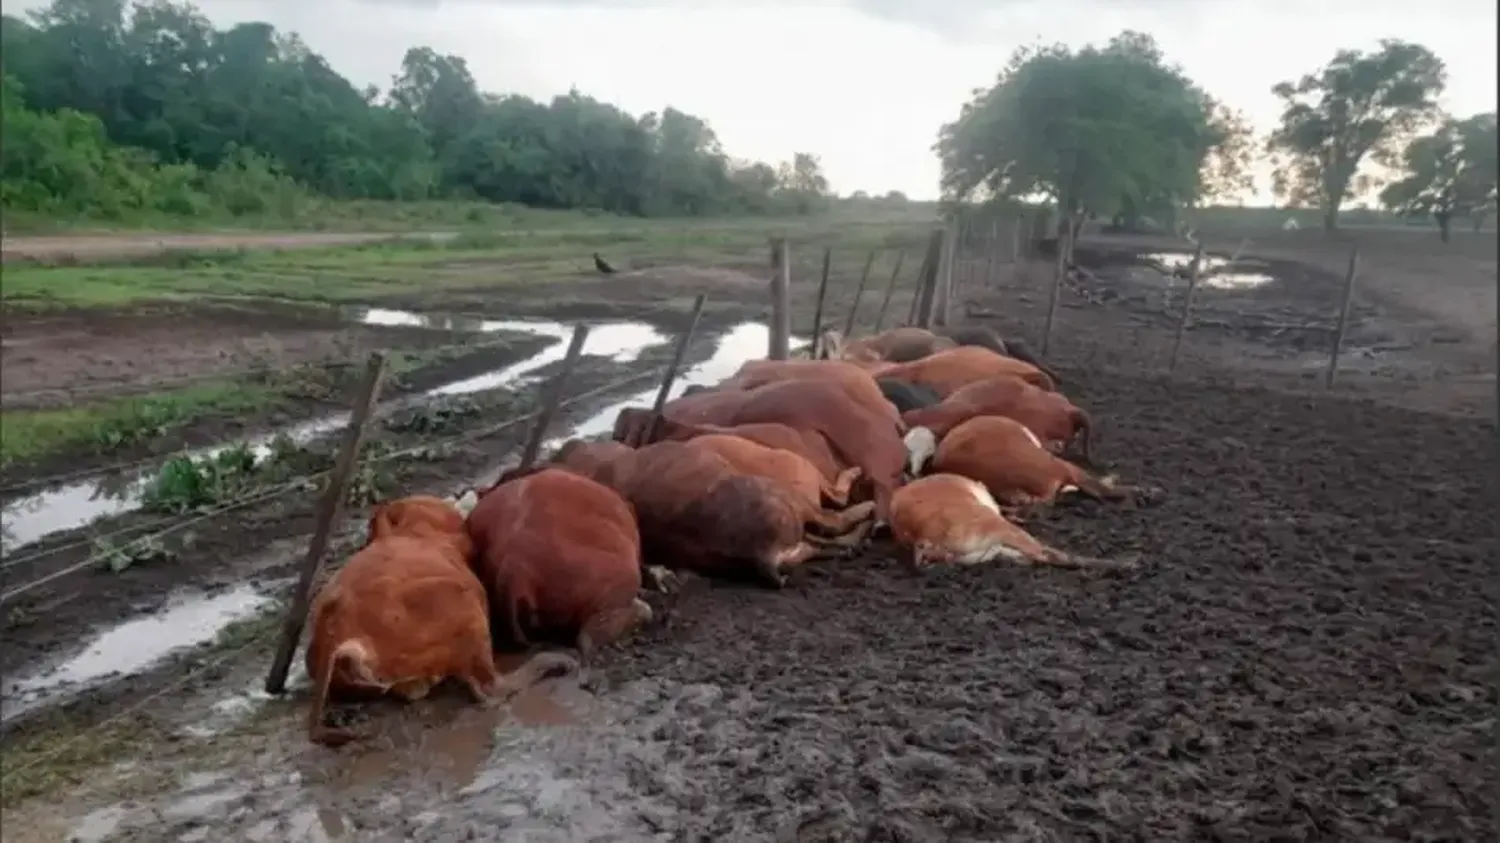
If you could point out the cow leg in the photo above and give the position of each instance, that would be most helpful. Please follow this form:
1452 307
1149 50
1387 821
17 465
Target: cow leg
480 675
660 578
827 522
842 546
412 690
609 626
843 486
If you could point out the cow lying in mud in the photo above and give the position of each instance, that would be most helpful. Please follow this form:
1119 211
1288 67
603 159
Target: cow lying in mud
856 434
405 613
1010 461
946 372
1055 420
561 556
856 382
638 426
696 512
907 344
947 518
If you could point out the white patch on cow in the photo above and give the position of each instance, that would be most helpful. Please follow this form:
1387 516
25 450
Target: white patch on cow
467 501
983 496
921 444
988 550
1062 490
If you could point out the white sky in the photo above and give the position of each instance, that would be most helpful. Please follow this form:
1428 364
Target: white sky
864 84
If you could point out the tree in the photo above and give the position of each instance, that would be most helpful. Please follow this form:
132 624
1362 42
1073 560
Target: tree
1358 105
1225 172
1450 173
1111 130
132 94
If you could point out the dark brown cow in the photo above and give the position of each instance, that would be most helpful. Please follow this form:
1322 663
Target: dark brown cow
1051 416
858 436
696 512
404 613
561 556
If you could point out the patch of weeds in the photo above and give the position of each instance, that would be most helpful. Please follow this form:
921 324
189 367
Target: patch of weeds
186 485
60 759
109 425
117 557
437 417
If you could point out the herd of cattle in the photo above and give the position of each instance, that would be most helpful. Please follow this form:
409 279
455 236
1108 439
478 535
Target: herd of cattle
949 440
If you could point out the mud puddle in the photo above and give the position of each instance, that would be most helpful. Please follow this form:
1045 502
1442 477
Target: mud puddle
188 620
78 504
1243 277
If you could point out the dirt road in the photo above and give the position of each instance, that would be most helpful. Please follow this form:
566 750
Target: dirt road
98 246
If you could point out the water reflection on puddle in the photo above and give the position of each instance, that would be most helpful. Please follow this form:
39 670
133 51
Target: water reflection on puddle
1239 280
75 505
186 621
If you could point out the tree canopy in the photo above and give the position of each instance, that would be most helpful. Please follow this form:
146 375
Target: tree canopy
1359 104
121 95
1450 173
1113 130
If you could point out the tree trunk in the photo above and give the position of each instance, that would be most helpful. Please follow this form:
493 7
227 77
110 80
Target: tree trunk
1476 220
1331 219
1444 222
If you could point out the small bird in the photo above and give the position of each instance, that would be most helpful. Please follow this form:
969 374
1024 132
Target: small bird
603 266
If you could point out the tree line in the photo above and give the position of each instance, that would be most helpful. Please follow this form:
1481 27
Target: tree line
113 107
1118 132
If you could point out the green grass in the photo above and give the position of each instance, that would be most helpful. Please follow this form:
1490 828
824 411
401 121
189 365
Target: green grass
27 435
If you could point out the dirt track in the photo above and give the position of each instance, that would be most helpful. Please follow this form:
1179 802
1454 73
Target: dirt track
1309 654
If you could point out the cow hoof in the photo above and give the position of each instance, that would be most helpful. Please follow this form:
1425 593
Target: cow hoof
662 580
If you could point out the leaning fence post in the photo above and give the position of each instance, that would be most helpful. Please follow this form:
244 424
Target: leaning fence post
991 246
679 353
1194 272
817 329
781 305
552 397
1059 271
329 507
859 293
947 263
890 290
1338 333
928 281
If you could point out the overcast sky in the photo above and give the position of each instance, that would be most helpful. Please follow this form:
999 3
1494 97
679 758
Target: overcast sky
864 84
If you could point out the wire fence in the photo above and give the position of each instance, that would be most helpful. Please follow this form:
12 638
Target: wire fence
167 527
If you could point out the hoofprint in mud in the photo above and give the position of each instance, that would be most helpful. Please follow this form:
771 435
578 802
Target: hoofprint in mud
1048 705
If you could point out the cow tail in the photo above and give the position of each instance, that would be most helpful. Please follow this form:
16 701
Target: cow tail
1092 486
349 653
536 668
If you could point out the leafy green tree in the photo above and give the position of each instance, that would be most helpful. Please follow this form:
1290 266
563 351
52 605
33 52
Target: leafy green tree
1358 105
1112 130
1450 174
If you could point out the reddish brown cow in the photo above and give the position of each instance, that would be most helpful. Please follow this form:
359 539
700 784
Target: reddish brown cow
784 468
1011 462
857 435
404 613
561 556
1051 416
856 380
948 518
898 345
638 426
696 512
948 371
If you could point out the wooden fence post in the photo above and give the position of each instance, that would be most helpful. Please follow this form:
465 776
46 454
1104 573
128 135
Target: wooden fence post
679 353
943 299
1015 239
817 329
890 290
329 507
552 396
991 247
1059 271
1338 333
1194 272
928 281
859 293
781 305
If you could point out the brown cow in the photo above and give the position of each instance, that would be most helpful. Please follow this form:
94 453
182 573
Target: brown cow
404 613
1052 417
638 426
898 345
856 380
1011 462
696 512
949 518
858 436
948 371
784 468
561 556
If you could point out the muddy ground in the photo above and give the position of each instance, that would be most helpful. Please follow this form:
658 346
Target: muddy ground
102 246
1308 654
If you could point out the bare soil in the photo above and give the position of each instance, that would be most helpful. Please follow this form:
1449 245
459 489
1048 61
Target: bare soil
1309 652
104 246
